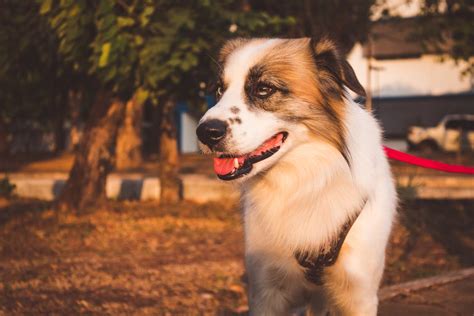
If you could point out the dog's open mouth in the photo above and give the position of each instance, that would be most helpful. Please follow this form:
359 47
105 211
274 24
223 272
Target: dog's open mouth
230 167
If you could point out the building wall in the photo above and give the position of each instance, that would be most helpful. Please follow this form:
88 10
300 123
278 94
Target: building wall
188 142
426 75
397 114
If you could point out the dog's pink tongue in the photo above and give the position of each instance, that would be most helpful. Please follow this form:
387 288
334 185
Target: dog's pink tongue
223 166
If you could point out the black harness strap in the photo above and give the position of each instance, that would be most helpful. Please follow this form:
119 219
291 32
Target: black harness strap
314 265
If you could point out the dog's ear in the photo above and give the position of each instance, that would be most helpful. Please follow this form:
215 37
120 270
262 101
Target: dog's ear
328 58
229 47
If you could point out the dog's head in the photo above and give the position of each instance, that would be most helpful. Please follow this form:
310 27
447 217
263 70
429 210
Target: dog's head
273 95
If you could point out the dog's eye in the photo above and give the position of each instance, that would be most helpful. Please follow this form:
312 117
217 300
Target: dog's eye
264 91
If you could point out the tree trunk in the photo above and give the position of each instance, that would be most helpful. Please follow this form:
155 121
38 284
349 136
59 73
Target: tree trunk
74 107
129 138
4 144
170 184
59 133
94 158
153 147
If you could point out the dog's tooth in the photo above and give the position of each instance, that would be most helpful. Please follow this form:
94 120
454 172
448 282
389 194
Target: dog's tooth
236 163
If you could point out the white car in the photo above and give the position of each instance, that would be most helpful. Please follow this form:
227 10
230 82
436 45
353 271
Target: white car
455 132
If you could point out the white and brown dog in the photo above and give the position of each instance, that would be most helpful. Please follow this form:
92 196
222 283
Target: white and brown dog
318 195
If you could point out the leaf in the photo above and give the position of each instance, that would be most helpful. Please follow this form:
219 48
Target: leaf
104 56
142 95
138 40
125 21
46 6
74 11
145 16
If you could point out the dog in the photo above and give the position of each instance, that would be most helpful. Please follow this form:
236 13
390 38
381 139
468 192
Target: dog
317 192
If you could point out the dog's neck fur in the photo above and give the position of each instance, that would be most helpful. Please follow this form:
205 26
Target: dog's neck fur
319 188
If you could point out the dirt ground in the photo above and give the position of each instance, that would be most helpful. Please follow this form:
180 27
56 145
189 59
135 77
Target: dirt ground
186 259
453 298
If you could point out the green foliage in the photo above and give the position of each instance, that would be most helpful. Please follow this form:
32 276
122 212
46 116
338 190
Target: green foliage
449 24
31 74
162 46
178 52
74 26
168 47
6 188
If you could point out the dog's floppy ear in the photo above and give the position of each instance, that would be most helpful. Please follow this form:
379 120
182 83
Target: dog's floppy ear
328 58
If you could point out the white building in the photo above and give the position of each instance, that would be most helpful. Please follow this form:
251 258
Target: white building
402 67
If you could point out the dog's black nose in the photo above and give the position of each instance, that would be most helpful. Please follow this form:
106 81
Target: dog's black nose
211 132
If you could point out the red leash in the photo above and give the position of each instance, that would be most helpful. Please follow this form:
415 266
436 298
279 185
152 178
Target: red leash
426 163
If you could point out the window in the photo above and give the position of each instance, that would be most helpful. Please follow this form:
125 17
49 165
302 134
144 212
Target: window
464 124
453 124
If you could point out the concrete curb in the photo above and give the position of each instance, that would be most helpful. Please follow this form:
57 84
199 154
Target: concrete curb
201 189
123 187
204 188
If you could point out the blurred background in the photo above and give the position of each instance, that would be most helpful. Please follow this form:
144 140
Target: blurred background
106 206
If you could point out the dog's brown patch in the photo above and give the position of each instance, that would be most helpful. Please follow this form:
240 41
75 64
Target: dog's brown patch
308 77
328 57
306 90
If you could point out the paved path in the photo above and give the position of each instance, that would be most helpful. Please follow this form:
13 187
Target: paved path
454 298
